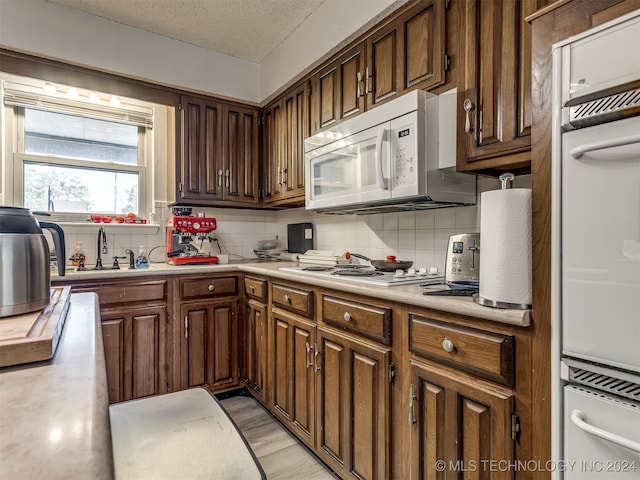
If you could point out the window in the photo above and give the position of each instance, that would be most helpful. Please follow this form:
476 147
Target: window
94 169
78 158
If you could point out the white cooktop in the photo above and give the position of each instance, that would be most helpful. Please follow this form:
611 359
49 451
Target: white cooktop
383 279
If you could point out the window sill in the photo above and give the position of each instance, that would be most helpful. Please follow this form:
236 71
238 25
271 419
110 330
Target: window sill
110 228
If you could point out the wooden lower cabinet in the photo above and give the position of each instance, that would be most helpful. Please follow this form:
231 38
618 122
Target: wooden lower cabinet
353 405
136 333
460 425
209 344
254 347
332 390
134 341
292 389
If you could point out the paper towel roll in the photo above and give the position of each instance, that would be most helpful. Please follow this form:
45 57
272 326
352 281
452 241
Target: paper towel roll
292 257
505 246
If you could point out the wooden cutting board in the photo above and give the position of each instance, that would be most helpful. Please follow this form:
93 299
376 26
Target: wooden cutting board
34 336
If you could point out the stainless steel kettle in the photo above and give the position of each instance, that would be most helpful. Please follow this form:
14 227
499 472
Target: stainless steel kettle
25 279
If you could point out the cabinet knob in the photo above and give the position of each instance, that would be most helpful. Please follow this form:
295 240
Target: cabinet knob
211 287
448 346
286 298
252 288
347 316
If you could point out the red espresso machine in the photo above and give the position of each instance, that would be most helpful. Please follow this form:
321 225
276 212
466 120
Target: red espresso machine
184 234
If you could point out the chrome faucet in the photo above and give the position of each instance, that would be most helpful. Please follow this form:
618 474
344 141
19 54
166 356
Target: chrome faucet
102 247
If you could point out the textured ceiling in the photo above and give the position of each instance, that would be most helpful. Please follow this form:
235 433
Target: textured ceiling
247 29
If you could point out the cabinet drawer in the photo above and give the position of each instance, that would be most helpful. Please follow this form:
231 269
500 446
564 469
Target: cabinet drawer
255 288
368 320
127 293
293 299
208 287
485 354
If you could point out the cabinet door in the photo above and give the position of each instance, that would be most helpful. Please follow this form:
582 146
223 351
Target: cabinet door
421 60
497 83
293 386
135 344
339 88
287 124
255 347
297 118
407 53
382 71
201 157
113 341
353 405
460 420
273 152
240 151
210 344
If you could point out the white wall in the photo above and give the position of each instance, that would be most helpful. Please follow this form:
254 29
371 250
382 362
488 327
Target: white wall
55 31
325 28
420 237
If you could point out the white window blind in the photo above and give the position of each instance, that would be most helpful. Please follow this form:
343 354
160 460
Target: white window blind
28 96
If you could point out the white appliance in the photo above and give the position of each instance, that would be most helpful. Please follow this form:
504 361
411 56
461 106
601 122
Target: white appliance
596 253
400 155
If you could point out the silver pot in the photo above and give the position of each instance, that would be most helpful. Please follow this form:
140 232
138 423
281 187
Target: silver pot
25 279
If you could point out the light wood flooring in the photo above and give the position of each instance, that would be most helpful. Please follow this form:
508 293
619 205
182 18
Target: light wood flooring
282 457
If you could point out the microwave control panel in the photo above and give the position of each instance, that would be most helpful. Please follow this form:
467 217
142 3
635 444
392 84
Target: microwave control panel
405 165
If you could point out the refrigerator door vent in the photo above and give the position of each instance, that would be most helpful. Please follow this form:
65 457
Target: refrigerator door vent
605 383
606 109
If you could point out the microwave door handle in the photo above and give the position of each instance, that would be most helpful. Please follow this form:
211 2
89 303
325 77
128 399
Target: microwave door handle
382 182
577 152
580 420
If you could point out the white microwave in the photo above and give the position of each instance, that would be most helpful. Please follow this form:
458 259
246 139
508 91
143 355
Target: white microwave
388 158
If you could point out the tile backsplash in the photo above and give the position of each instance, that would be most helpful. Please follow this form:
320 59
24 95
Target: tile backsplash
419 236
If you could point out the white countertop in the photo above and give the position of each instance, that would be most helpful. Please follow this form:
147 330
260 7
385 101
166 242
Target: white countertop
406 294
54 419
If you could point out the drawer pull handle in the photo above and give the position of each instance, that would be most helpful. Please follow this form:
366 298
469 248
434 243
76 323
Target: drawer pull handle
211 287
309 348
448 346
347 316
467 106
252 288
412 397
286 298
316 365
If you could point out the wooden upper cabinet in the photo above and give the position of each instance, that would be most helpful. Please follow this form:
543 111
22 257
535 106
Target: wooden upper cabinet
495 133
422 58
407 53
273 144
218 158
286 125
339 88
382 79
241 156
200 159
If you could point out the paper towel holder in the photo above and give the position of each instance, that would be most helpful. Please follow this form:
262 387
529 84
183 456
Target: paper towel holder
496 304
507 183
507 180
